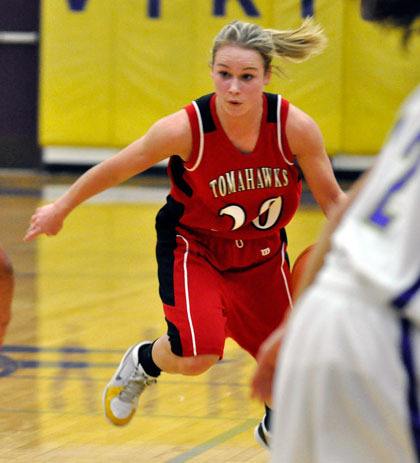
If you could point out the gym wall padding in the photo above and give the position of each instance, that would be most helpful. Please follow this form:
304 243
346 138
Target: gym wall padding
110 70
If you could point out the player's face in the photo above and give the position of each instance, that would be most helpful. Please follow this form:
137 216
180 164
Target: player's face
239 78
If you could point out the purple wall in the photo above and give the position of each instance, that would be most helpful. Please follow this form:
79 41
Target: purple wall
18 84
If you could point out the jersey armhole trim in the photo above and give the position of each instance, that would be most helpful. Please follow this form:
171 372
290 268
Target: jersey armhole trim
282 112
196 122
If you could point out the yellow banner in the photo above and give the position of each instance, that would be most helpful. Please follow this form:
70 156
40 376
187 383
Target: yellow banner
378 75
109 69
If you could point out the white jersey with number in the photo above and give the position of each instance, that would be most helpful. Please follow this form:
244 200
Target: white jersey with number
380 234
348 382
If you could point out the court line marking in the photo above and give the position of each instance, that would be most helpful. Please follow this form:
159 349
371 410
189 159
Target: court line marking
71 350
66 349
213 442
144 416
103 379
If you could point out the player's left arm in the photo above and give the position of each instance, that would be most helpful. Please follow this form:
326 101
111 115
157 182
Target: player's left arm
306 142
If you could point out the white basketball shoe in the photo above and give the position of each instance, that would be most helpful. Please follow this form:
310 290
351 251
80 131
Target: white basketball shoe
122 393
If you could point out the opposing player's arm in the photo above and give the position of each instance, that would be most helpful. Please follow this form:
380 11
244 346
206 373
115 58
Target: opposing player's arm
262 381
306 143
323 244
168 136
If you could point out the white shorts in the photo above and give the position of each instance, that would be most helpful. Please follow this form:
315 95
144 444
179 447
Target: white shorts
342 388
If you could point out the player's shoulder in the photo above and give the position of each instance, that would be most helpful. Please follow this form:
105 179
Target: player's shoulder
412 103
300 121
302 131
410 109
174 126
173 134
406 131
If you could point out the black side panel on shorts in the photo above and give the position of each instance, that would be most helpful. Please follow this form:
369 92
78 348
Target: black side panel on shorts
283 237
271 107
177 170
203 104
174 338
166 221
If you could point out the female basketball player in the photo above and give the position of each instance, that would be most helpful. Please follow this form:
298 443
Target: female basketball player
221 244
347 387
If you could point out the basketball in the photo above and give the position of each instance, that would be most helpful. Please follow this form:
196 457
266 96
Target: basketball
299 267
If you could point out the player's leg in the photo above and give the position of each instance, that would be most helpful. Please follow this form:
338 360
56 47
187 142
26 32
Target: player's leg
340 385
196 330
169 362
6 293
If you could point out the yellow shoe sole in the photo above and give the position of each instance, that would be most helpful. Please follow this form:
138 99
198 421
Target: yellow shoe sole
109 394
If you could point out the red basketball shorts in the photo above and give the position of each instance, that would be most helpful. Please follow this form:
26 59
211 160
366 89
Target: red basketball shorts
214 288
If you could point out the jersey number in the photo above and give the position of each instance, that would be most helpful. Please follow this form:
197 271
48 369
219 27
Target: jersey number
268 215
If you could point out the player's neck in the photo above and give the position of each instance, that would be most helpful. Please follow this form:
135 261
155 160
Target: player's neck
243 130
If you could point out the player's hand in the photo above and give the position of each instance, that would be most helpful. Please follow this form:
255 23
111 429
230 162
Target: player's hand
46 220
262 380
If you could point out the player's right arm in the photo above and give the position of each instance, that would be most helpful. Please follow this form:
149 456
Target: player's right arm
168 136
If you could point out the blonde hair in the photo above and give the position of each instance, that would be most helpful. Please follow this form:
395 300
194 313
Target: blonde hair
293 45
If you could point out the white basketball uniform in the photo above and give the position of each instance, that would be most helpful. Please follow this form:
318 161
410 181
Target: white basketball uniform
347 388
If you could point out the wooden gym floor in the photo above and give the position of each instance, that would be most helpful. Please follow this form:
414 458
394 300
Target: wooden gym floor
81 299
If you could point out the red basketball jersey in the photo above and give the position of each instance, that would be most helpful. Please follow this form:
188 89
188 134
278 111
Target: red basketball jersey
232 194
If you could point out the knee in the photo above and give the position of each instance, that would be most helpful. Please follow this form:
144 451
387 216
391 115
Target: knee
193 366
